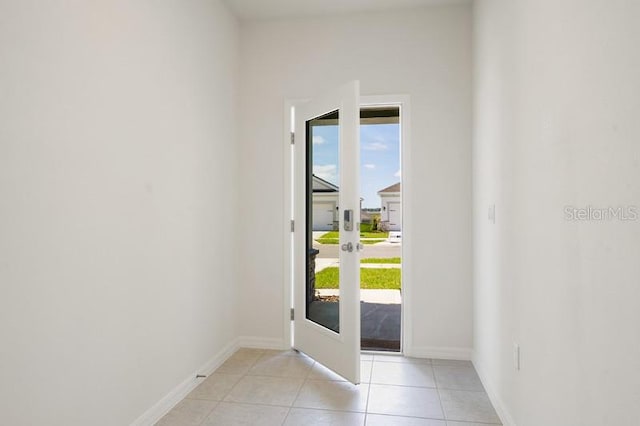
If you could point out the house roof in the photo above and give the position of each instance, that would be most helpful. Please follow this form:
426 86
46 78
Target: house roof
321 185
393 188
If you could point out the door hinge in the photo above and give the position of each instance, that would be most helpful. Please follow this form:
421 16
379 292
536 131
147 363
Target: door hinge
292 314
292 225
293 138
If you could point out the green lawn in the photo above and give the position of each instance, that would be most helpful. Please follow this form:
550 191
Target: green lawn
328 240
365 227
331 234
324 240
370 278
381 260
363 234
374 234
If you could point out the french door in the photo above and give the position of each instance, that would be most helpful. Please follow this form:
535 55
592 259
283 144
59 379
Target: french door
327 319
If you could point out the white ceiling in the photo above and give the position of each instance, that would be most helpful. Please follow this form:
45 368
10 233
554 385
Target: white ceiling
271 9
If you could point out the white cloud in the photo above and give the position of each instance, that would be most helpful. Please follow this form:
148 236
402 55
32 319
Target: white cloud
327 172
375 146
397 174
369 166
319 140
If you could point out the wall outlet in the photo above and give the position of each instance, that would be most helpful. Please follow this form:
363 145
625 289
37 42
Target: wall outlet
492 214
516 356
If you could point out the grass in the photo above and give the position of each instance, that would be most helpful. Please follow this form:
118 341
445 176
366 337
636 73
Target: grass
367 232
363 234
365 242
324 240
381 260
374 234
387 279
331 234
328 240
365 227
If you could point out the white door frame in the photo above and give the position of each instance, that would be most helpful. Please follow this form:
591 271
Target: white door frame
403 102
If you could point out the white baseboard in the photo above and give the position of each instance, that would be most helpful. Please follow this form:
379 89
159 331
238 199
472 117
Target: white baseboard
262 343
162 407
463 354
498 403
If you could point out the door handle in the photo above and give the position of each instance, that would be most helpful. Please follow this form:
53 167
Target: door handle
347 247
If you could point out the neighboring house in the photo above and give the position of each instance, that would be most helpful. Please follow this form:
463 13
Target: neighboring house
325 205
391 208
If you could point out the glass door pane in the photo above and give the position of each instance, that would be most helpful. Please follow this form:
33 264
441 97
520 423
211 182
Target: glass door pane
322 220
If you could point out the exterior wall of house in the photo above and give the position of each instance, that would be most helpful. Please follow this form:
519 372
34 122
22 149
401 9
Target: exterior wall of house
391 211
329 201
425 53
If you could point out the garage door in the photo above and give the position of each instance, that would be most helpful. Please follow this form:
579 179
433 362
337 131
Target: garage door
322 216
395 216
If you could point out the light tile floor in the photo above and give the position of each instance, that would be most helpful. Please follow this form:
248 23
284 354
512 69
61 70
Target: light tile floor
264 387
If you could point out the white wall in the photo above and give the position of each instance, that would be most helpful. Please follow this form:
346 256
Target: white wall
425 53
116 157
556 124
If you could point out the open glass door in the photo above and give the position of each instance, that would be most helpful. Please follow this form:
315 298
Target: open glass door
327 328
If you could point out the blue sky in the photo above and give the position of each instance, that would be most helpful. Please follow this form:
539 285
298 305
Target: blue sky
379 158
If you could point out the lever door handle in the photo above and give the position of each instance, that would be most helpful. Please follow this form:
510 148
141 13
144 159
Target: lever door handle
347 247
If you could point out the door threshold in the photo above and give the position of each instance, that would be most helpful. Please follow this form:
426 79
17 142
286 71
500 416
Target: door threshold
370 352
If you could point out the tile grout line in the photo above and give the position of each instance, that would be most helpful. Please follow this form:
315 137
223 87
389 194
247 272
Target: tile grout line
243 375
208 414
246 374
307 379
217 403
408 416
295 398
366 407
234 385
286 416
444 415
